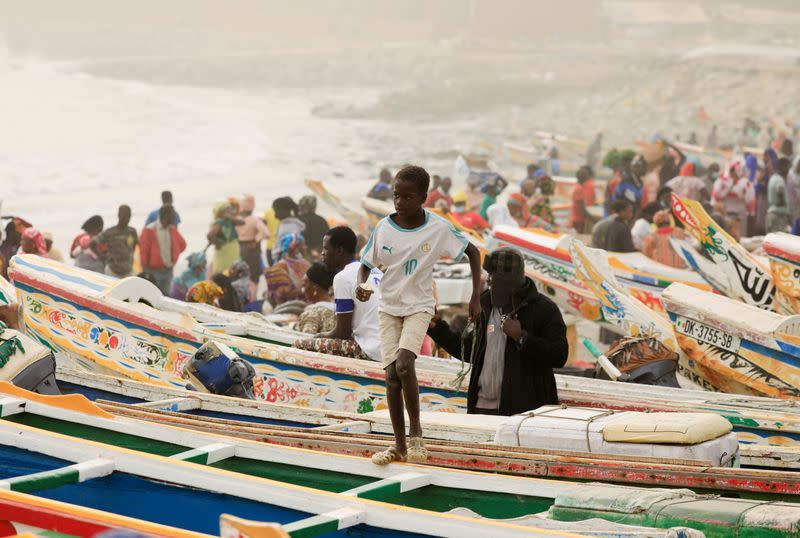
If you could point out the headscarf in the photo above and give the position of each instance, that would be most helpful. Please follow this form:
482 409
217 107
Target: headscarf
219 210
771 154
751 163
38 239
190 276
205 292
687 170
291 241
228 229
460 198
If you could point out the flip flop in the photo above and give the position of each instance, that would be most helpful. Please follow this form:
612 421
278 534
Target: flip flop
417 453
387 456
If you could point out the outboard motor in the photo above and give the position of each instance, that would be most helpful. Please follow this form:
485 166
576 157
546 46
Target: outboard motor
217 369
26 363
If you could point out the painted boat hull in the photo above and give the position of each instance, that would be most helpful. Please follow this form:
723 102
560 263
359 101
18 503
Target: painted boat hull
241 470
355 439
69 326
189 472
66 309
22 513
548 254
733 271
746 350
783 252
758 422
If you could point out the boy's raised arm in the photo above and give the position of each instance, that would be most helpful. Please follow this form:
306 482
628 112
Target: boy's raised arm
474 266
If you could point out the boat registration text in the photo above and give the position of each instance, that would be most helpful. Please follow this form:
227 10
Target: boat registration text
707 334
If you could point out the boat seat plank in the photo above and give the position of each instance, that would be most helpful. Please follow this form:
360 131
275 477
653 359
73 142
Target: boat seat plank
173 404
11 406
393 485
53 478
325 523
208 454
353 426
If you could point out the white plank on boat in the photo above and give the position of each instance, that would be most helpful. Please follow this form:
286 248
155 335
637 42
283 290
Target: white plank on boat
327 522
400 483
176 405
71 474
354 426
11 406
206 455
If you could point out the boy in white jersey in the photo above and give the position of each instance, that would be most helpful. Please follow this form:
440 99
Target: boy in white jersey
405 246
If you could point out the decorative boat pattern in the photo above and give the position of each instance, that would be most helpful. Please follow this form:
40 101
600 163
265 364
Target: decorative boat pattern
69 310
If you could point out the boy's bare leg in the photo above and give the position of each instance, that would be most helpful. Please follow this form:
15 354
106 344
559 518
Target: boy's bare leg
394 399
404 366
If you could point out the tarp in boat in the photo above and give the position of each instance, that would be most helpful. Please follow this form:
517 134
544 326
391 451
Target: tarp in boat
581 429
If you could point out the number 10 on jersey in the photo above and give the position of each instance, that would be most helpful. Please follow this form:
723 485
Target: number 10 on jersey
409 266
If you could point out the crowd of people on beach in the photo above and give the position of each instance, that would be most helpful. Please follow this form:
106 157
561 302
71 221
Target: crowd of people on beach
370 297
749 192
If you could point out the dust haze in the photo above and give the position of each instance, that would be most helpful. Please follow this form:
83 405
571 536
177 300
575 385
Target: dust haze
210 97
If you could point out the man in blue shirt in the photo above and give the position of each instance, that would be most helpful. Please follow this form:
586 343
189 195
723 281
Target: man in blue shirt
166 199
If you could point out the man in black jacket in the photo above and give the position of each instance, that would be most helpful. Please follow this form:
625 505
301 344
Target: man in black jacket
519 338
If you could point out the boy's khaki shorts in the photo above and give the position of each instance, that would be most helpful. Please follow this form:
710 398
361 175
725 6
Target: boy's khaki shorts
402 333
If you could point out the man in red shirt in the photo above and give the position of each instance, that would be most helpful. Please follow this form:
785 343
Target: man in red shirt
583 197
467 219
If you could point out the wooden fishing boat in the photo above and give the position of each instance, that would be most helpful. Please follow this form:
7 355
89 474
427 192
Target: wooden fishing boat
733 270
67 449
75 452
734 346
548 253
127 328
22 514
46 323
783 252
476 451
66 321
725 344
763 425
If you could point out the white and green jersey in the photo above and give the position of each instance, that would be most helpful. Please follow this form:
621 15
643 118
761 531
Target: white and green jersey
406 258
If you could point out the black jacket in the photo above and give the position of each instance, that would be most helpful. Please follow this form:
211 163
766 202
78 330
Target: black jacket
528 380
